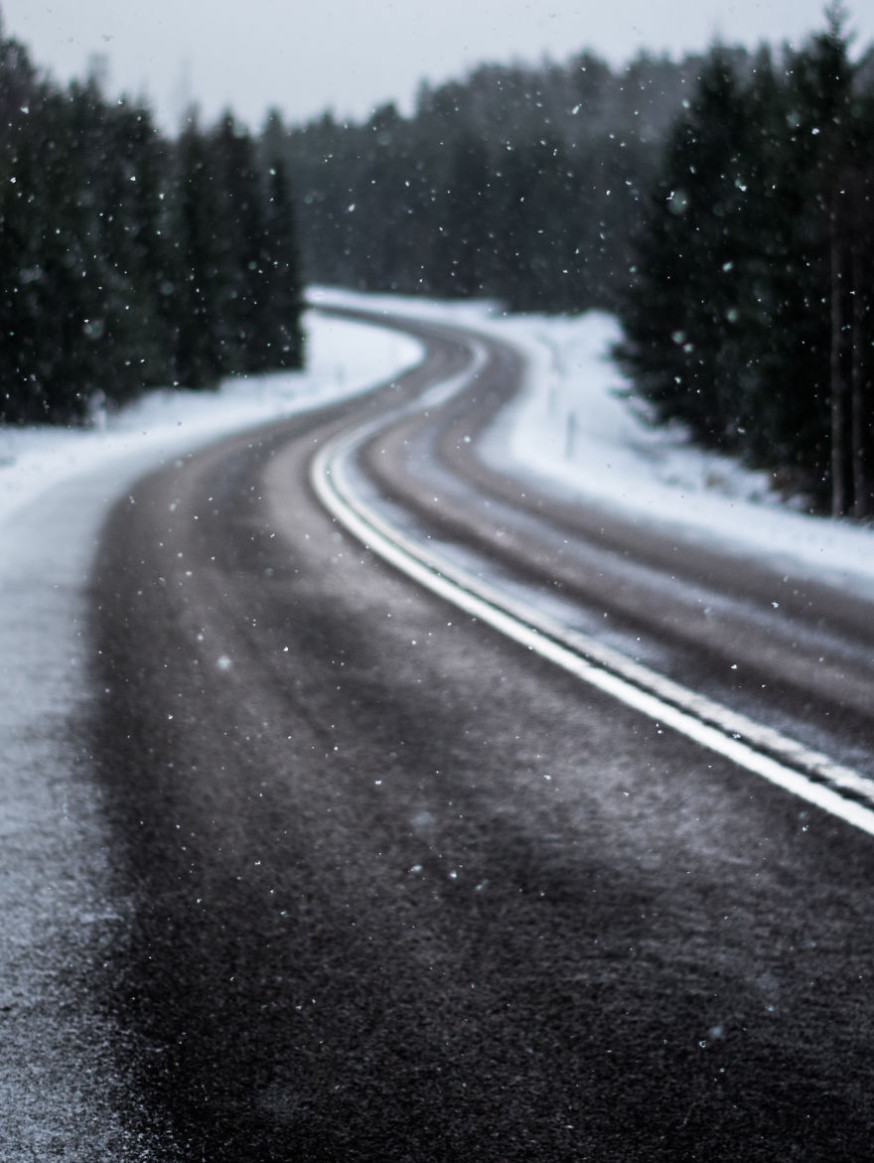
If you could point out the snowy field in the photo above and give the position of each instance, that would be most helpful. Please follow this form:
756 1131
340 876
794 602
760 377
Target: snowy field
570 431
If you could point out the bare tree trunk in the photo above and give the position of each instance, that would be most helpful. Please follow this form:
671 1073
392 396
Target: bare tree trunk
838 417
861 485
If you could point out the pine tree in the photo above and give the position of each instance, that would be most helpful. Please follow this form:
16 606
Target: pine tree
681 312
750 312
23 123
466 242
198 301
242 213
283 289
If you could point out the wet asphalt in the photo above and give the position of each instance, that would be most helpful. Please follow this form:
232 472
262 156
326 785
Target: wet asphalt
401 891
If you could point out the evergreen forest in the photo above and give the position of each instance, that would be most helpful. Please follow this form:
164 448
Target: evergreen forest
721 205
129 260
748 311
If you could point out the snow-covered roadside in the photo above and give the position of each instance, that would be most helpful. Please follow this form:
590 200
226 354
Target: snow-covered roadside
576 433
59 1094
343 358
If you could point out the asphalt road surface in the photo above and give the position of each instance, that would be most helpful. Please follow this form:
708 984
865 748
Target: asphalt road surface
406 890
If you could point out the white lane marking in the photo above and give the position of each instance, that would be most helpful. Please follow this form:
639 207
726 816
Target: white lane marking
778 758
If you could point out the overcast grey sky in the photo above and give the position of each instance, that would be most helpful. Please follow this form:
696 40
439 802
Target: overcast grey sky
350 55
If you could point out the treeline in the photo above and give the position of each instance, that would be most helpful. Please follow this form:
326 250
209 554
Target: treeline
749 311
520 183
721 205
128 260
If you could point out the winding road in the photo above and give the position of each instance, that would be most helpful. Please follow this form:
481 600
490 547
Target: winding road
465 824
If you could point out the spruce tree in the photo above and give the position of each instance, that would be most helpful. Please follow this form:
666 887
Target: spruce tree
749 315
681 313
283 290
203 343
242 236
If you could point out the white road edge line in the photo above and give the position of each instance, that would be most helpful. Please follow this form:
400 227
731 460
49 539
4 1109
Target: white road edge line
812 776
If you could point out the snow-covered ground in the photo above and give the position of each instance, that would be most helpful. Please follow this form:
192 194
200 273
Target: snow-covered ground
576 431
57 906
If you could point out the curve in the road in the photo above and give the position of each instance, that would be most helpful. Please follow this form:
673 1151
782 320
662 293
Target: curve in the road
783 761
402 889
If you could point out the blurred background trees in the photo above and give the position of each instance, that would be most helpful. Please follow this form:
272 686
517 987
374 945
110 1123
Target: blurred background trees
128 260
749 310
721 205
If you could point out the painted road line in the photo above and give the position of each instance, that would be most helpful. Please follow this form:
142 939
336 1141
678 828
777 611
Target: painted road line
781 760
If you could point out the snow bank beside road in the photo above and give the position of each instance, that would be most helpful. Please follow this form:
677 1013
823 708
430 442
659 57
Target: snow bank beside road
574 431
344 358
